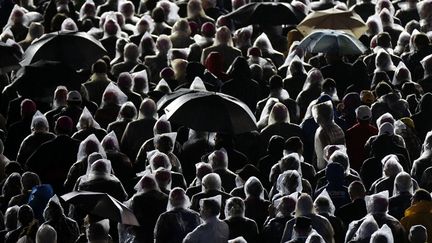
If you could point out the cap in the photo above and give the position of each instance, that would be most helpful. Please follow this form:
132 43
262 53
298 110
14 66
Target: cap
363 112
73 96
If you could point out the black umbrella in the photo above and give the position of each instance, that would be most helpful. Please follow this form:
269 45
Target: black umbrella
40 79
211 112
76 49
10 57
266 13
167 99
102 205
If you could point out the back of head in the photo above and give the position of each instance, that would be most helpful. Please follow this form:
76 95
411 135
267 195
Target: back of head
304 205
25 215
356 190
148 108
275 82
36 30
223 35
403 183
421 195
218 159
212 181
63 125
46 234
98 231
29 180
28 108
384 40
253 187
128 111
418 234
211 207
131 52
99 67
234 207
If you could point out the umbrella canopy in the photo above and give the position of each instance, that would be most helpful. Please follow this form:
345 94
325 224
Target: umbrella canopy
332 41
333 19
211 112
102 205
266 13
40 79
167 99
10 56
76 49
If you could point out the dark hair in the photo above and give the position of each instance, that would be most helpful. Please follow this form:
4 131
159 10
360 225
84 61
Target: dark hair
158 15
99 66
212 206
421 195
384 40
421 40
275 82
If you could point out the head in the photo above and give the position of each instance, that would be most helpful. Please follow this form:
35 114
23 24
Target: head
356 190
418 234
218 159
420 195
304 205
234 207
302 226
209 208
202 169
178 198
63 125
128 111
29 180
28 108
163 44
211 181
223 36
46 234
25 215
403 183
36 30
253 187
148 108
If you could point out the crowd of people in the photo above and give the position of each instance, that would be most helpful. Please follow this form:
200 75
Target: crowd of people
342 151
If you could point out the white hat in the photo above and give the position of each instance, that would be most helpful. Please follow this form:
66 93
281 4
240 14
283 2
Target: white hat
363 112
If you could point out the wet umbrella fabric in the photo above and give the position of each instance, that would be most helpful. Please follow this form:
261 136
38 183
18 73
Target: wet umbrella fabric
266 13
333 19
76 49
332 41
10 57
211 112
102 205
40 79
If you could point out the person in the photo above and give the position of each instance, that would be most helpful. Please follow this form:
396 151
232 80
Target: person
137 132
421 118
356 209
211 186
88 126
11 187
337 69
324 206
40 134
213 230
417 234
328 132
20 129
85 158
419 211
219 163
26 221
112 99
223 45
402 194
46 234
238 224
241 86
147 205
126 114
131 60
98 81
59 102
304 209
66 228
124 83
73 108
51 161
377 206
28 181
170 225
295 78
275 224
357 135
157 62
274 154
256 207
335 187
302 230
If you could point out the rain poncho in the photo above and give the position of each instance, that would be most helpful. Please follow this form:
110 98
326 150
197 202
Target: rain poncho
88 9
278 114
366 229
99 169
403 183
86 121
324 204
328 133
288 182
140 80
402 75
198 85
113 95
110 142
178 199
69 25
383 62
383 235
145 25
170 9
88 146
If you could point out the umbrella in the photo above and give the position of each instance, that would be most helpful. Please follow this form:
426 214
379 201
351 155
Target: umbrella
76 49
266 13
40 79
102 205
332 41
10 56
211 112
333 19
168 98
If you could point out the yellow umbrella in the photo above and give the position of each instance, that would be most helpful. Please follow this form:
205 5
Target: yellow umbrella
333 19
